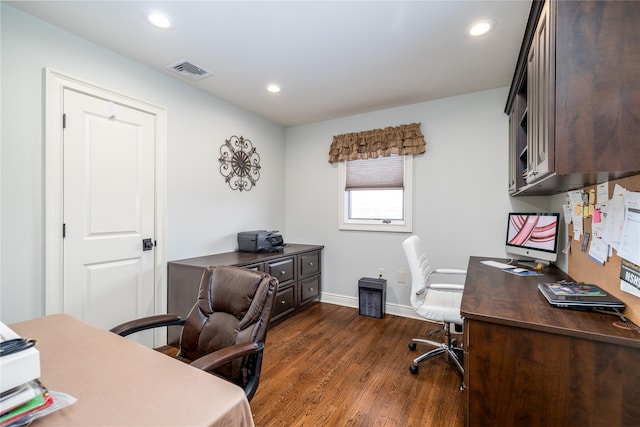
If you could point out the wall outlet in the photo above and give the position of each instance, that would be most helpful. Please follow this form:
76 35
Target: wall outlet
400 277
381 273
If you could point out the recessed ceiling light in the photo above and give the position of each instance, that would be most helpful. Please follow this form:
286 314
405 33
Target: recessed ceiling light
273 88
479 28
159 19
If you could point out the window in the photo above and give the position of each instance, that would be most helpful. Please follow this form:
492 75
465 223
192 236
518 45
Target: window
376 194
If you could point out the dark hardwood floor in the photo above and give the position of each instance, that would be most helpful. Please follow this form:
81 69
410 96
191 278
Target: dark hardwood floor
329 366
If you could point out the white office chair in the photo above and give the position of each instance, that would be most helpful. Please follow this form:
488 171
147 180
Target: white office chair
436 302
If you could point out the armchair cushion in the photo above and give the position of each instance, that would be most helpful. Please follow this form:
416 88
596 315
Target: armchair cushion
234 307
441 306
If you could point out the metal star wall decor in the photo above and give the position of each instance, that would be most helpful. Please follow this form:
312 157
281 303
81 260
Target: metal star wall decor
239 163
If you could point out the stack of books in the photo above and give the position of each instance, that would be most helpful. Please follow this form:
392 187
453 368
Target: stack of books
20 404
22 396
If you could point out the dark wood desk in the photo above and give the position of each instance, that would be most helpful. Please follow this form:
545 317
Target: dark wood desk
530 364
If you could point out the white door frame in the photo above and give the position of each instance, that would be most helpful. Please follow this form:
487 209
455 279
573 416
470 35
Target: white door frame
55 83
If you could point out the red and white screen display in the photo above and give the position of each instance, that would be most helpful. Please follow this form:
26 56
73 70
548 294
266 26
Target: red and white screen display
536 231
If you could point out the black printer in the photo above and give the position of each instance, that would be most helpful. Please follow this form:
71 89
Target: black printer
260 241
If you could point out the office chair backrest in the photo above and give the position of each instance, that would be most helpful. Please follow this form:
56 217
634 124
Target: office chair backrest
419 267
234 306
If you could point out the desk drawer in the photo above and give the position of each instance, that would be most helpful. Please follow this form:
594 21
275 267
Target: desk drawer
259 266
282 269
309 289
285 302
309 264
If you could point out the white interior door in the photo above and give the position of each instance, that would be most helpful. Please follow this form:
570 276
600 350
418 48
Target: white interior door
108 210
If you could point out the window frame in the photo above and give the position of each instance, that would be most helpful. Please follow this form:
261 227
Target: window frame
402 226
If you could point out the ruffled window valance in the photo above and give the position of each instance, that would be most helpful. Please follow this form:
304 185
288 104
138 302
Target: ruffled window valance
401 140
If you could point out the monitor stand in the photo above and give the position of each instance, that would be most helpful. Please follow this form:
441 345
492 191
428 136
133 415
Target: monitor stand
536 265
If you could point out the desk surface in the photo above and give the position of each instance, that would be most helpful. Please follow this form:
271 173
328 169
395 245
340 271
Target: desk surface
504 298
240 258
121 383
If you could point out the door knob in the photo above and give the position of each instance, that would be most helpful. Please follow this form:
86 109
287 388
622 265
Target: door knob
147 244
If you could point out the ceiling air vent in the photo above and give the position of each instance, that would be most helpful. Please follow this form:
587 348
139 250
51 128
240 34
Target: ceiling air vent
189 70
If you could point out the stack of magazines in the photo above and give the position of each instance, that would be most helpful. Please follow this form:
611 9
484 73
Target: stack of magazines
20 404
23 398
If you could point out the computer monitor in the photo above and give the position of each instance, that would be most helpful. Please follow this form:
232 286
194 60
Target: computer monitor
534 236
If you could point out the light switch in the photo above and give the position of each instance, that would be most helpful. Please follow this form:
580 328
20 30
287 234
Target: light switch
401 276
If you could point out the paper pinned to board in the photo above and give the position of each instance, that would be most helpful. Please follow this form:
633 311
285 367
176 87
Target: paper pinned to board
602 192
577 222
597 219
629 248
567 214
612 230
599 251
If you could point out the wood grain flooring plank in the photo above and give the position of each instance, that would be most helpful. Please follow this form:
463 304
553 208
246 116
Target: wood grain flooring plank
329 366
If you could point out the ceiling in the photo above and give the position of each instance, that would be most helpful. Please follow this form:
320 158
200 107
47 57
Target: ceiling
331 58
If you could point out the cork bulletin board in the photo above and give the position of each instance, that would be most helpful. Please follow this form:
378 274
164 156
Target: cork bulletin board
607 276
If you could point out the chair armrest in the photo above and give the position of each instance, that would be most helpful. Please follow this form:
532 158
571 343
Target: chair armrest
144 323
449 271
218 358
453 287
447 287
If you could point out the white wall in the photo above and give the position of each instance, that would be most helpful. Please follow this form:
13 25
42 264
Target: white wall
460 200
460 193
203 213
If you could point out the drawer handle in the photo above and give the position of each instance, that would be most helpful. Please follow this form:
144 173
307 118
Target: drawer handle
283 272
311 289
283 302
311 264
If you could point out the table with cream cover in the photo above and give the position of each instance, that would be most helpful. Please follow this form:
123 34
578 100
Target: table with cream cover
121 383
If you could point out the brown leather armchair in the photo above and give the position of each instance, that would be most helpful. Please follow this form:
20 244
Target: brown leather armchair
225 331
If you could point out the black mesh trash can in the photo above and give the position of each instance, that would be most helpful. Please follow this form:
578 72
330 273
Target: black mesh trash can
373 296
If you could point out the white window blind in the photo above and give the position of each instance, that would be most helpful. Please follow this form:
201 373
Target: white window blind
381 172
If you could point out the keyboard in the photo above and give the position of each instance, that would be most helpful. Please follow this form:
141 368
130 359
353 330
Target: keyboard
496 264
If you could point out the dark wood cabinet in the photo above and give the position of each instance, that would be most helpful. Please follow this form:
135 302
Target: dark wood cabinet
575 96
528 363
518 148
298 270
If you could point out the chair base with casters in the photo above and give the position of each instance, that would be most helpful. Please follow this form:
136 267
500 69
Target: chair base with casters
449 348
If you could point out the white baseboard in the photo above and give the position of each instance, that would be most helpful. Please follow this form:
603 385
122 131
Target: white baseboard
390 308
